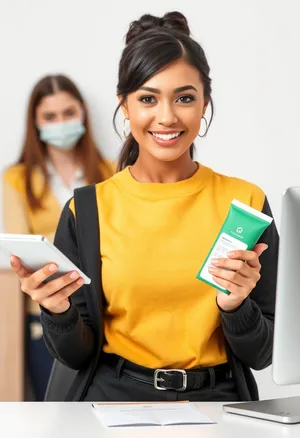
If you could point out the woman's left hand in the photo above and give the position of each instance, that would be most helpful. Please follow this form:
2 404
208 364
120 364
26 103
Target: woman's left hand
238 274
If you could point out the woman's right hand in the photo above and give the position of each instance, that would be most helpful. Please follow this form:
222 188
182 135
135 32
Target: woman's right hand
53 296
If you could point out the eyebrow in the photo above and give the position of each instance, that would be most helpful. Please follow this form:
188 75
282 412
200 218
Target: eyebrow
69 108
177 90
48 113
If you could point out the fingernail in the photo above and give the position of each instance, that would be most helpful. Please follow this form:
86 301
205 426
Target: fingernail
215 262
230 253
74 275
211 269
80 281
12 261
52 268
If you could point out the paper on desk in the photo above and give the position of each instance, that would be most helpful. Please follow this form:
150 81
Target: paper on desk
149 414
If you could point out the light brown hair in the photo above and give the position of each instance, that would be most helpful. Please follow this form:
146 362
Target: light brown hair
34 152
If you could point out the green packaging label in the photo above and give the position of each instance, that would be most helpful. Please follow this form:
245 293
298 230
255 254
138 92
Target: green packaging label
241 230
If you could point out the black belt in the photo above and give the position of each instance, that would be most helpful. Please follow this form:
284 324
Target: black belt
173 379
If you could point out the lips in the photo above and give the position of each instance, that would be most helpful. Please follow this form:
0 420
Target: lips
166 135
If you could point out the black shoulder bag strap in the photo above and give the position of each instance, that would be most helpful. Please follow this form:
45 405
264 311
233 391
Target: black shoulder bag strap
88 242
63 384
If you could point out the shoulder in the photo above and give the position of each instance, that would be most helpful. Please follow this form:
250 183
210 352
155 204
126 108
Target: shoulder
240 189
104 190
15 175
112 182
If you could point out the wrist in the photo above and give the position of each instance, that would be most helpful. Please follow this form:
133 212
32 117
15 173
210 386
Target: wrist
59 310
230 307
60 322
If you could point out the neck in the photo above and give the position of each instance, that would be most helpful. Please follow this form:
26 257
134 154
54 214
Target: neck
148 169
65 163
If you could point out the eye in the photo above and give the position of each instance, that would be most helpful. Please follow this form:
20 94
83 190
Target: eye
147 99
70 113
48 117
188 98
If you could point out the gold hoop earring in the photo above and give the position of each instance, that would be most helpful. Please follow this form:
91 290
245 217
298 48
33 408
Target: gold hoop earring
125 135
206 128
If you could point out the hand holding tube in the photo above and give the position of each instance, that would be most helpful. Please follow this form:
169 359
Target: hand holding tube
238 274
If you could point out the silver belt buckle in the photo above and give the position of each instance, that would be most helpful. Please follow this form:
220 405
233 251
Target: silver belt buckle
158 379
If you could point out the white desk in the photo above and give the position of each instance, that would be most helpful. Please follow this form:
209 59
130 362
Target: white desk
76 420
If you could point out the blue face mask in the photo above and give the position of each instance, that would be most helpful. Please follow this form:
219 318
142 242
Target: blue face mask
62 135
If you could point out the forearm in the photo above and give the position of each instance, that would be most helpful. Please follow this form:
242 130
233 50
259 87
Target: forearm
249 330
69 338
249 334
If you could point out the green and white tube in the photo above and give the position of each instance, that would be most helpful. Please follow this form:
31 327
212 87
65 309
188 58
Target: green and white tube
241 230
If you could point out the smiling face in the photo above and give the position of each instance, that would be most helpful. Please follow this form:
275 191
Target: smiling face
165 113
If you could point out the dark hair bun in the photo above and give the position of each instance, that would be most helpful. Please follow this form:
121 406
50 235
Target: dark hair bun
171 21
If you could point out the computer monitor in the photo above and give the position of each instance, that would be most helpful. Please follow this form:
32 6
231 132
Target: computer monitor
286 348
286 352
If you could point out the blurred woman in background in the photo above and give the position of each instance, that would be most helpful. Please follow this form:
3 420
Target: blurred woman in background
59 154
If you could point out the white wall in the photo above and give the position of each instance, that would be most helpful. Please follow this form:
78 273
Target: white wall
253 49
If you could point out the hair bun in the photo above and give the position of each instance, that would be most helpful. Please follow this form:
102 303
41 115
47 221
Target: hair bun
176 21
171 21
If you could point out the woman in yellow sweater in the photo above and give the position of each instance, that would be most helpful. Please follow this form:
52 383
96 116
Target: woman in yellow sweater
59 155
150 331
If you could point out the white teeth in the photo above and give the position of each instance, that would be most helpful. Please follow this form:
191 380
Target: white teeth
166 136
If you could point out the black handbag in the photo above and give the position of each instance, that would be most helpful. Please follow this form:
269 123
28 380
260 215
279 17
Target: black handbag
62 377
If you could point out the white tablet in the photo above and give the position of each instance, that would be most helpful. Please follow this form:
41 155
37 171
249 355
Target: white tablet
35 252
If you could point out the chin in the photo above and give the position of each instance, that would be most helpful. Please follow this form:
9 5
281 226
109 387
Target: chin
167 155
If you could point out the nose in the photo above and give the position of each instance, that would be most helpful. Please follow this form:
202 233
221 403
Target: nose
167 115
59 118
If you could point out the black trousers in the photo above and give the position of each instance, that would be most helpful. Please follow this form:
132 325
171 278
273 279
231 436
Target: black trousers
110 385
